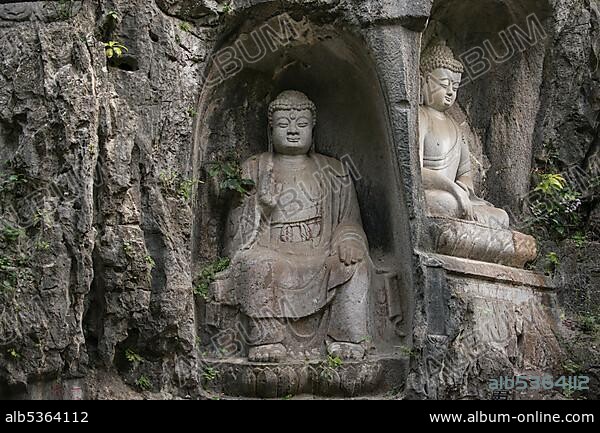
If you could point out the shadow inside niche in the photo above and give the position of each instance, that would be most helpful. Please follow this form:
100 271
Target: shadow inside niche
125 63
335 71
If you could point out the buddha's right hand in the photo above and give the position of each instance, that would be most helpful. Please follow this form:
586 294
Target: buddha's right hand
464 204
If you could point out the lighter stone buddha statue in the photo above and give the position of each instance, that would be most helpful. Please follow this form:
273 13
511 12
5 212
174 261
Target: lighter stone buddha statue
444 152
300 268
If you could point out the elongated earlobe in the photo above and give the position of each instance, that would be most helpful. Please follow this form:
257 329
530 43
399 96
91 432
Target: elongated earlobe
269 141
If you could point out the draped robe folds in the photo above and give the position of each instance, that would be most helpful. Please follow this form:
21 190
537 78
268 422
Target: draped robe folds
278 279
452 160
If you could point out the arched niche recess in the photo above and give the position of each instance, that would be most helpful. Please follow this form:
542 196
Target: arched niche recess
333 68
501 104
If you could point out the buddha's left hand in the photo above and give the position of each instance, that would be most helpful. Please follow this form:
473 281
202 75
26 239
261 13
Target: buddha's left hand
351 252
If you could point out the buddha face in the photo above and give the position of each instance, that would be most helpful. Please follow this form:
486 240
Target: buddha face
440 88
292 131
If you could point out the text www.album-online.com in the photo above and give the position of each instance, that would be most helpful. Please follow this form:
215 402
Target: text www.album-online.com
506 418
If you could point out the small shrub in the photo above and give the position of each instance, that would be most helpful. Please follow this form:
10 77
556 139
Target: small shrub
207 276
12 234
42 246
579 239
10 182
407 351
8 274
113 16
176 185
229 176
114 49
550 183
144 383
133 357
553 258
571 366
555 206
150 262
226 8
334 362
13 353
589 323
128 249
210 373
552 262
185 189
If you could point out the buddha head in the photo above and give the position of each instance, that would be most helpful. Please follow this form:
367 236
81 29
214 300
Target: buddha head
441 74
292 118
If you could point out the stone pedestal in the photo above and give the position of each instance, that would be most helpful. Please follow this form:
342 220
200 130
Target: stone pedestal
483 321
237 377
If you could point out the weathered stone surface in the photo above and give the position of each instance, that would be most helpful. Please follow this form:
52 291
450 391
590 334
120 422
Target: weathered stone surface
476 241
188 9
38 10
492 325
96 155
104 237
284 380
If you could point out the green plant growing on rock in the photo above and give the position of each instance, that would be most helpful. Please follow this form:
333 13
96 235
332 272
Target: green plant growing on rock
8 275
133 357
580 239
208 275
42 246
589 323
10 182
328 368
144 383
226 8
13 353
229 175
551 183
175 185
552 262
113 16
12 234
192 112
334 362
185 27
128 249
185 189
554 205
407 351
571 366
114 49
568 391
150 262
109 24
210 373
42 218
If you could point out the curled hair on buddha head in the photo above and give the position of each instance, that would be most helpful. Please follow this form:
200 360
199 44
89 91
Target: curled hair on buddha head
440 56
292 100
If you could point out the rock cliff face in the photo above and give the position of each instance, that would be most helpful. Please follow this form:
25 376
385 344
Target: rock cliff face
97 182
96 224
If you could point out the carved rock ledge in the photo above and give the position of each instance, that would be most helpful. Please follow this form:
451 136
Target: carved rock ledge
237 377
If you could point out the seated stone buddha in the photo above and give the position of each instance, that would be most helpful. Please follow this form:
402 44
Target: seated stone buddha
444 151
300 267
461 223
